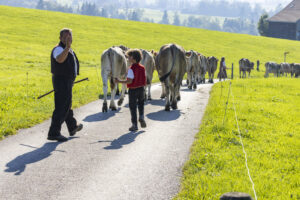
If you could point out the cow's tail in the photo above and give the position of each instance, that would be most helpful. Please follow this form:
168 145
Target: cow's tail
110 56
164 77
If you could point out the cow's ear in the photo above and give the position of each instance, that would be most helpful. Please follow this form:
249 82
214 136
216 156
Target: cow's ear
152 51
188 54
155 53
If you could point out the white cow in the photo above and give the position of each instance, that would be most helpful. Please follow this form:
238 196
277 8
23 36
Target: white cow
192 68
148 62
113 65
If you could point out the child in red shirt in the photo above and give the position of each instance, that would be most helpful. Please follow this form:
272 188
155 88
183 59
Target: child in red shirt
136 82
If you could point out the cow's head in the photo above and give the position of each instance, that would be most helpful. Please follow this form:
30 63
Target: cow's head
251 65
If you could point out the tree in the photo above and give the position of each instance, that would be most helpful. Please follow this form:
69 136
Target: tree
263 25
40 5
176 21
165 18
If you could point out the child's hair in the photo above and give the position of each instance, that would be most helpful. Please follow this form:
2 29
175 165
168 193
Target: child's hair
136 54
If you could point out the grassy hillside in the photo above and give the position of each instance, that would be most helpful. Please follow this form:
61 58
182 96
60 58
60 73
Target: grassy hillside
269 120
27 37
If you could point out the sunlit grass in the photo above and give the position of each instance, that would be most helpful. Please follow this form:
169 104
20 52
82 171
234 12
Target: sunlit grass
268 116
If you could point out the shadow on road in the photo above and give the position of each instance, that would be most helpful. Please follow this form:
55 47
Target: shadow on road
123 140
18 165
101 116
163 115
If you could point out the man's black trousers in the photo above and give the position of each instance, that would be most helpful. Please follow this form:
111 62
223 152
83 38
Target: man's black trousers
136 99
63 103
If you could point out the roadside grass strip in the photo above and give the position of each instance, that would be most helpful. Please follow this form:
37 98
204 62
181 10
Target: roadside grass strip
266 124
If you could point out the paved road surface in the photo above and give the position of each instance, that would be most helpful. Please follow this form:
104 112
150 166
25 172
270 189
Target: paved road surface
105 160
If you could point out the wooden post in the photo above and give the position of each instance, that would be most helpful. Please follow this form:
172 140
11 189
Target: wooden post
232 71
235 196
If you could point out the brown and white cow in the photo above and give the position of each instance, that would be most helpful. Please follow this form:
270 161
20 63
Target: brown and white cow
272 67
203 65
113 65
171 67
245 66
192 68
149 63
212 67
285 68
295 69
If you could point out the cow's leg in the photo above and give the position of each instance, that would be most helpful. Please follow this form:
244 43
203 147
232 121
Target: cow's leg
149 92
189 79
212 77
167 90
122 95
194 81
163 93
176 95
118 91
104 80
112 105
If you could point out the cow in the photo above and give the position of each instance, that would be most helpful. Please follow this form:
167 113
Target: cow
245 66
203 63
149 63
272 67
171 67
285 68
192 68
212 67
295 69
113 65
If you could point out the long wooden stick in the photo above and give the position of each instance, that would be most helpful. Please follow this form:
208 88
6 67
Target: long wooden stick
85 79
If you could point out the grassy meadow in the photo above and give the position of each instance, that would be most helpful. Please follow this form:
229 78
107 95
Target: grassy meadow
269 120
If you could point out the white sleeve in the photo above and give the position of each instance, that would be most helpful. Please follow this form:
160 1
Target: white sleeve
130 74
57 51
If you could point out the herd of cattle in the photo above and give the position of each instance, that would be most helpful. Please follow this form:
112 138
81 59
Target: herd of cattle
283 68
171 63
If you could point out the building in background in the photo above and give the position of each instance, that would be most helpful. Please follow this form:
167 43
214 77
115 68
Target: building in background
286 23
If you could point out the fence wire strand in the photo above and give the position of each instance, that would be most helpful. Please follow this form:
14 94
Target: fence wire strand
241 140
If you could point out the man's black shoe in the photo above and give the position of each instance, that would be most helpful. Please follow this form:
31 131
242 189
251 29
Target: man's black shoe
133 128
143 123
59 138
76 129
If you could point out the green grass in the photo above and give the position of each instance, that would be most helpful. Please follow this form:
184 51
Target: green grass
268 115
27 37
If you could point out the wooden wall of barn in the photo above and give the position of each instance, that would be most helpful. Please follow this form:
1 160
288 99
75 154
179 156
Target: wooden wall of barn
282 30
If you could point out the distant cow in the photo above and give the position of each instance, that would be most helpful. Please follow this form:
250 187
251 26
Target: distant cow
192 68
295 69
149 64
272 67
171 67
113 65
202 68
245 66
212 67
285 68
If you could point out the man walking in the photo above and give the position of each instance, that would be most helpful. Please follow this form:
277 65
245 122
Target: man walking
64 69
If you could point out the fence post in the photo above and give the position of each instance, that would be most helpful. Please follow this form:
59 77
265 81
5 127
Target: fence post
235 196
232 71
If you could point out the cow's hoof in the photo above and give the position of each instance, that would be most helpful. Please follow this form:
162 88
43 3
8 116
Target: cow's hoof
174 106
190 87
113 108
162 96
104 107
149 98
195 86
120 102
126 92
187 82
167 108
178 98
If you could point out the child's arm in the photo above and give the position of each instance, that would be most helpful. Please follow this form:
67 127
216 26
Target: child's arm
128 81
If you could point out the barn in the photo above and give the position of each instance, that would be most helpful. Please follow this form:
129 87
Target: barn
286 23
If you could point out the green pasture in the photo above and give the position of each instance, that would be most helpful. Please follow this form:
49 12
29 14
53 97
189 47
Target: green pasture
268 116
27 37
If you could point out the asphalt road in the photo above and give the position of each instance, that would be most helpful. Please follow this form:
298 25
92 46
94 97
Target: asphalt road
105 160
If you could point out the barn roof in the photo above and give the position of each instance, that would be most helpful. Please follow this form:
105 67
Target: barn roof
291 13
